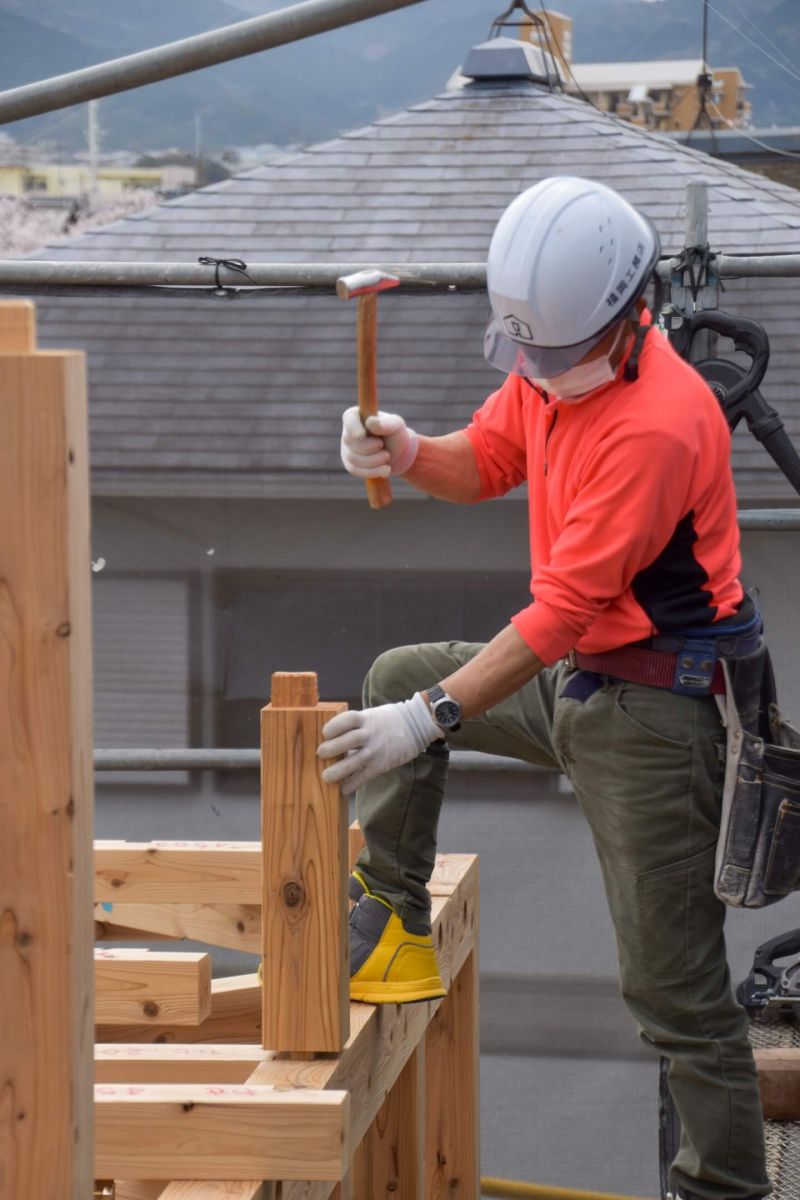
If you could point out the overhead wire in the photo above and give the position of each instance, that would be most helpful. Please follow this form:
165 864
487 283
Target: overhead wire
45 133
750 137
761 33
755 45
550 32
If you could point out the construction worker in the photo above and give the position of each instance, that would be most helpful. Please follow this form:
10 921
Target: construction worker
634 548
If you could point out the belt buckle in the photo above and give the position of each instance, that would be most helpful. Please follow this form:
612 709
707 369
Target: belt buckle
572 661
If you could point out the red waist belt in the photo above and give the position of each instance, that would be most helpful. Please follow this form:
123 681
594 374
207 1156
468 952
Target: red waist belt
636 664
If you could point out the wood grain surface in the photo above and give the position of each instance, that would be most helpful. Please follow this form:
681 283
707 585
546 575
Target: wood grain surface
162 1131
379 491
452 1152
45 771
388 1162
304 906
139 985
17 327
178 872
235 926
136 1063
235 1018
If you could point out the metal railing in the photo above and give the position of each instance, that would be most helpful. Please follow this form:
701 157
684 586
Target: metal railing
250 760
467 276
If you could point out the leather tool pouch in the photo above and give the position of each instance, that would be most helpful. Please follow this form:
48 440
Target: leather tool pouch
758 852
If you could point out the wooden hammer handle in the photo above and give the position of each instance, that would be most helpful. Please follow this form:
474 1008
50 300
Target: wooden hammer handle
379 491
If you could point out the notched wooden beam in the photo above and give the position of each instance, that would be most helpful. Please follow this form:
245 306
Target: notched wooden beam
169 1063
234 926
235 1018
136 985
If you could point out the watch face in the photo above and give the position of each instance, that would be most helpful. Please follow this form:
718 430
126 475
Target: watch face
447 713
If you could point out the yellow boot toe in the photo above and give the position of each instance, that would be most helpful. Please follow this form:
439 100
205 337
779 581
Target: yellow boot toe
401 968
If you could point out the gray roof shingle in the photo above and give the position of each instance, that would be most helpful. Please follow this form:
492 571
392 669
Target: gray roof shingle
205 396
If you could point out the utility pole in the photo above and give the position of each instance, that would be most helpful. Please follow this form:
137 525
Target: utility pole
199 173
94 139
198 136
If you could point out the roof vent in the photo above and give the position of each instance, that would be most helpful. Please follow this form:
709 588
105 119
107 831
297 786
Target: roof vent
507 58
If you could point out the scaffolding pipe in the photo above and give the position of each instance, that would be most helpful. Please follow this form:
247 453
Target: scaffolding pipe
250 760
189 54
765 520
748 266
276 275
468 275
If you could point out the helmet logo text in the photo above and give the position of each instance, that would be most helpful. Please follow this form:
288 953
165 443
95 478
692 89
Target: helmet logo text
516 328
622 285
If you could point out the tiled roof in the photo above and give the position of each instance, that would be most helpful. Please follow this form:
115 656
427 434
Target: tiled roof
206 396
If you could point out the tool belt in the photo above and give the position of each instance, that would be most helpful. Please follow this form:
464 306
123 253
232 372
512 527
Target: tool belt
758 851
688 662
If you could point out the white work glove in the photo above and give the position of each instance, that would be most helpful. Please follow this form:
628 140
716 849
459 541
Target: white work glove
389 448
376 740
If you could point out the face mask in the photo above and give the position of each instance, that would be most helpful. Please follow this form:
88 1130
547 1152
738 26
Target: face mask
579 381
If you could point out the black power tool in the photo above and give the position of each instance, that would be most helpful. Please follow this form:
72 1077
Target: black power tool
772 993
736 387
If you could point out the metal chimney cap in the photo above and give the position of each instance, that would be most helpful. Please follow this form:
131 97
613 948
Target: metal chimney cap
509 58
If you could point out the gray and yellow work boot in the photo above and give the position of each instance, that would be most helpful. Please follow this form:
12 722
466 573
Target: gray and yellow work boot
391 961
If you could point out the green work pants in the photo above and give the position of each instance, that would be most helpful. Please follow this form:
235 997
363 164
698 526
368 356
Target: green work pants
647 768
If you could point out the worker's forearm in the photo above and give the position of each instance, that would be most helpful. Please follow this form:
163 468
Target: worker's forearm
499 670
445 467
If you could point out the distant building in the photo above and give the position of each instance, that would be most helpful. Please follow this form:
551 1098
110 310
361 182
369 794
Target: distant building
658 95
21 175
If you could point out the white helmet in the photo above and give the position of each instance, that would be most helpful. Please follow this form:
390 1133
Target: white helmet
569 258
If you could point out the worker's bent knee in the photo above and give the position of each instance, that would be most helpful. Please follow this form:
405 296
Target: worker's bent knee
395 675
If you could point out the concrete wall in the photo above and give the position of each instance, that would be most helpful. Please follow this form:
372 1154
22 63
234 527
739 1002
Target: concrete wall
568 1093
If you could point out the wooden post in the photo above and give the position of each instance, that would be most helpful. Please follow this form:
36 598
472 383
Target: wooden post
388 1163
46 800
355 843
306 1005
452 1152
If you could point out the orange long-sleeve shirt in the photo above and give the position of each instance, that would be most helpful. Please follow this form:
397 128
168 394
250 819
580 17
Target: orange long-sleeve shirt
632 509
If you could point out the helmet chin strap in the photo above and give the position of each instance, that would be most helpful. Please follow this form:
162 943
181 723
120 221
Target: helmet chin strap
632 365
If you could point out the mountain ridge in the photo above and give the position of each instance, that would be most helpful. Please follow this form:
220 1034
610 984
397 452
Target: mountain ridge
295 95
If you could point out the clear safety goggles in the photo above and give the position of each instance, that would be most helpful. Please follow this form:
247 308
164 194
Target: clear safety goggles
534 362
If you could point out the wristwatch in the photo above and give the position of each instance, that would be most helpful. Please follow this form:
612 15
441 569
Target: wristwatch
446 711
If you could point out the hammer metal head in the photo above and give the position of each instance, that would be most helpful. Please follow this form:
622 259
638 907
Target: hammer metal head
361 283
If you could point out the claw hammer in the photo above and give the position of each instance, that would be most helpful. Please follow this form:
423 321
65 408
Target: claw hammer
365 285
